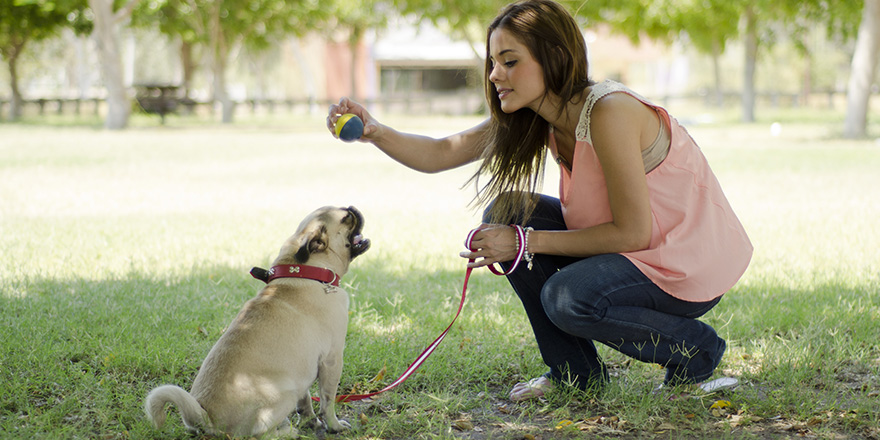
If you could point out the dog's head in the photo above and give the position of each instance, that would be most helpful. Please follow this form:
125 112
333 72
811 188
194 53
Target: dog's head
329 237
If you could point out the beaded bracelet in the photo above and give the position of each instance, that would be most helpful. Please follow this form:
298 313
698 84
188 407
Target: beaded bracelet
526 254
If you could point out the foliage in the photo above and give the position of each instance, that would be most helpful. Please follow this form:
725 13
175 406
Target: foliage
222 27
23 21
465 19
357 17
255 24
710 22
840 18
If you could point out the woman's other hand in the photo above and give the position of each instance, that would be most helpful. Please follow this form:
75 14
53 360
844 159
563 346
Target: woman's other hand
492 244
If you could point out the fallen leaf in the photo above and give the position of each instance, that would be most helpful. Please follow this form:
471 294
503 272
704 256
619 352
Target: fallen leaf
363 418
563 424
585 426
380 375
794 427
720 404
463 425
464 341
743 419
665 426
610 420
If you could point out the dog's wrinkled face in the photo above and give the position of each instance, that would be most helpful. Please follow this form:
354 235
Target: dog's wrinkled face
330 234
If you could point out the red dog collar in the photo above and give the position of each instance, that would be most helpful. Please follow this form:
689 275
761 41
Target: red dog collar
296 271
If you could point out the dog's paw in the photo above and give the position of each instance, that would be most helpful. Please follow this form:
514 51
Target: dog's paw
313 423
286 430
341 425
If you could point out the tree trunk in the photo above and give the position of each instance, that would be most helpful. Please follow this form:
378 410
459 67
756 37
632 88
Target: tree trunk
807 87
354 42
221 95
107 38
219 52
716 66
864 66
748 94
189 66
308 76
17 104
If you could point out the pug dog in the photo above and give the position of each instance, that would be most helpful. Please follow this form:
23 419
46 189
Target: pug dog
283 340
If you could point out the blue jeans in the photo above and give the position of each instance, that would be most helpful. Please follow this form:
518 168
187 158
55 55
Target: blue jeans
572 303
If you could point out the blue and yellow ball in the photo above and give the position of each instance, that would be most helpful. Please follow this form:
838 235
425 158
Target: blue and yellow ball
349 127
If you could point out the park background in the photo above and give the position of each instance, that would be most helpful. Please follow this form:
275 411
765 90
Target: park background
125 242
232 54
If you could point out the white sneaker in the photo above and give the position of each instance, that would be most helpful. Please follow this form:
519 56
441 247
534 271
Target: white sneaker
533 389
722 383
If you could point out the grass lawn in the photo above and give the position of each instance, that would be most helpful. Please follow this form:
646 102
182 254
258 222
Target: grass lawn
124 255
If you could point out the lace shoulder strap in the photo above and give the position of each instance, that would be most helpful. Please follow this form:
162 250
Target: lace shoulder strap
598 92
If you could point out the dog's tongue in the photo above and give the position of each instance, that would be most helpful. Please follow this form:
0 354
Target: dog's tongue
359 245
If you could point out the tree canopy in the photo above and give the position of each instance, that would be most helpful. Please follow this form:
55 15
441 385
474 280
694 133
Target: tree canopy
222 27
24 21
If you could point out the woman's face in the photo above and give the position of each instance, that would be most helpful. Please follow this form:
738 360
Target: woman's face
518 78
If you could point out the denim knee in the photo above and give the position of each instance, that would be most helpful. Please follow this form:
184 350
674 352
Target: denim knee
565 307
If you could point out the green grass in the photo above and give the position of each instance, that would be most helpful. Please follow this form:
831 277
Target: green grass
123 256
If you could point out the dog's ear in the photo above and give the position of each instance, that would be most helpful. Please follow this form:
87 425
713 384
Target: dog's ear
302 255
316 242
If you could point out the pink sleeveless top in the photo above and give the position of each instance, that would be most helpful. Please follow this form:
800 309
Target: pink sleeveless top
699 249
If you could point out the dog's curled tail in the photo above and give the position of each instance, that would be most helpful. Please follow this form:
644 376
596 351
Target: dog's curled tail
194 416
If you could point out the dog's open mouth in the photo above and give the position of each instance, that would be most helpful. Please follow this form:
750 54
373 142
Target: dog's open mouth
359 244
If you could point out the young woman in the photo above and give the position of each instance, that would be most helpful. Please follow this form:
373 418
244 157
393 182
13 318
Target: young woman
642 240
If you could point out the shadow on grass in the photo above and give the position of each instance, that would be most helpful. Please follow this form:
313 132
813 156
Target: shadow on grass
79 355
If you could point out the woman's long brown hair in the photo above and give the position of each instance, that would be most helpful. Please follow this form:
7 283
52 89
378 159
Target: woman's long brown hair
514 150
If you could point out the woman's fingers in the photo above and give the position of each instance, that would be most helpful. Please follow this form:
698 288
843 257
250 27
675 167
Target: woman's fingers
335 111
491 244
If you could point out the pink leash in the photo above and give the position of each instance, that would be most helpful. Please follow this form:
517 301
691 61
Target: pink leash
427 352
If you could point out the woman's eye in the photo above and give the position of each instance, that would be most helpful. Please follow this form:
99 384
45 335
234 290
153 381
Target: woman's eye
510 63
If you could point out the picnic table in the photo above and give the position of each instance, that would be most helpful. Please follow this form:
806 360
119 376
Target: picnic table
159 99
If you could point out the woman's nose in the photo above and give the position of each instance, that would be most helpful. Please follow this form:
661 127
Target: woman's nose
494 74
